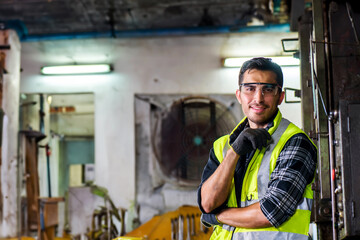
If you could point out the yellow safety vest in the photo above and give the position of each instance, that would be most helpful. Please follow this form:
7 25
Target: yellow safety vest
255 184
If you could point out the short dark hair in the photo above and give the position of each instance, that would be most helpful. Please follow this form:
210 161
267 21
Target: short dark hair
263 64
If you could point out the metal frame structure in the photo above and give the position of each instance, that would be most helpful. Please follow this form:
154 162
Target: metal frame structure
330 73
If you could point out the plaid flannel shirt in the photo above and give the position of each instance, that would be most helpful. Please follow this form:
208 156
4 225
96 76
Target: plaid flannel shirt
295 168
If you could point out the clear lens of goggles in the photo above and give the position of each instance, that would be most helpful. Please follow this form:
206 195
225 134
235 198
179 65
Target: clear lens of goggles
267 89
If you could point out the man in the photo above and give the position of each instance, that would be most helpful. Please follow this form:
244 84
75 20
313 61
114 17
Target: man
257 182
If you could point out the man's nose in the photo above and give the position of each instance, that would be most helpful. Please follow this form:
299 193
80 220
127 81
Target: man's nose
259 96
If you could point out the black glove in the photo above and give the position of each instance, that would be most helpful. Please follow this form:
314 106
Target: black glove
209 220
249 139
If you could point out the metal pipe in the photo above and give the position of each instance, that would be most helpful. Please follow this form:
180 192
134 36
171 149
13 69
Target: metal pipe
48 153
41 114
331 119
332 173
158 32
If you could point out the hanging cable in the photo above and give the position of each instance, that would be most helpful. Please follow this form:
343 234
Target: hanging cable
330 136
348 8
316 78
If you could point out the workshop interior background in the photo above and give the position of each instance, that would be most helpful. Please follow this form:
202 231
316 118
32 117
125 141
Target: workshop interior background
141 133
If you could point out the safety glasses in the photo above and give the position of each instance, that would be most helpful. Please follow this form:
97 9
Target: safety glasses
267 89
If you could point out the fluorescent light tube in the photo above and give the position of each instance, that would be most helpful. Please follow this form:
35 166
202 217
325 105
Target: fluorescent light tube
281 60
76 69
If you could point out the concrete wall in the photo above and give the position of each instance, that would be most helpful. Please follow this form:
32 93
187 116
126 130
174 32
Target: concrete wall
10 104
163 65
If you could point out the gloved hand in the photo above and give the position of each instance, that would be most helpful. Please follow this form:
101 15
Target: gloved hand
209 220
249 139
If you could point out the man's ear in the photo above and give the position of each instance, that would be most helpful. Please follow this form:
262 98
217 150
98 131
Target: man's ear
237 93
281 98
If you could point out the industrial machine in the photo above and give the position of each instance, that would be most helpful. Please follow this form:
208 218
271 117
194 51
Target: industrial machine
329 33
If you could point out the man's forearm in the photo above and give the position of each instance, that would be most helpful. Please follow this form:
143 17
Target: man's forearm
247 217
216 188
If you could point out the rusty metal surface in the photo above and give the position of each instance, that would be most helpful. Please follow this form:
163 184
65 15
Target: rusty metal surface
305 27
344 48
335 51
322 204
320 80
348 168
107 17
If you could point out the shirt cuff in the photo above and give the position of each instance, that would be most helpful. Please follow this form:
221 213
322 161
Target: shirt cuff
199 199
268 210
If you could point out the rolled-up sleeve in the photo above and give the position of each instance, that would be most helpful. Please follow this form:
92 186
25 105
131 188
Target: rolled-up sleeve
209 169
295 168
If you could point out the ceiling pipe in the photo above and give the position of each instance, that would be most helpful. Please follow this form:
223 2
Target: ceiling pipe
158 32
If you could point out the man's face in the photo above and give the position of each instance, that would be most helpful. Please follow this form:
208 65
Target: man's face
258 105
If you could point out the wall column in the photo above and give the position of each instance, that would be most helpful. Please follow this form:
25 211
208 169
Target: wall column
9 218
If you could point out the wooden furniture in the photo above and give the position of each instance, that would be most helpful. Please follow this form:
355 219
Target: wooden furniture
29 142
48 217
42 213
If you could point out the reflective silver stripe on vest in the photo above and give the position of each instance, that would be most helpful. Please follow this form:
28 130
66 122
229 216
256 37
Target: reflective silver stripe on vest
228 228
226 147
264 170
268 235
305 204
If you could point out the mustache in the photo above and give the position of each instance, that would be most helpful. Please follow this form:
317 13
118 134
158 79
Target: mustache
258 105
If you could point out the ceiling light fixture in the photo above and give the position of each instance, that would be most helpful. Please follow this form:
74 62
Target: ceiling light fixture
76 69
232 62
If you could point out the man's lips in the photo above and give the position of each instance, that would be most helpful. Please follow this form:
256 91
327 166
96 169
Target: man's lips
258 108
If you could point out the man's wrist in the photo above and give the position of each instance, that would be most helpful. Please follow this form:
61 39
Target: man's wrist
217 219
231 153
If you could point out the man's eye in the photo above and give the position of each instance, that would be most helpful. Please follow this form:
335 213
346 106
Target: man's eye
268 89
250 89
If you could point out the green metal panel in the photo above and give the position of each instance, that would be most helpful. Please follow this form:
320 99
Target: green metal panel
79 151
73 151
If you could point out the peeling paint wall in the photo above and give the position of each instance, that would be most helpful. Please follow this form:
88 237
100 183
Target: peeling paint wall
10 104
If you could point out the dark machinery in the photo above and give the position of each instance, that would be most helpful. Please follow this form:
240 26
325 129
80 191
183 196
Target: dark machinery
329 33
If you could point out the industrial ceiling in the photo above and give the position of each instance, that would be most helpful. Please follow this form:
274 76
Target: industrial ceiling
112 18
